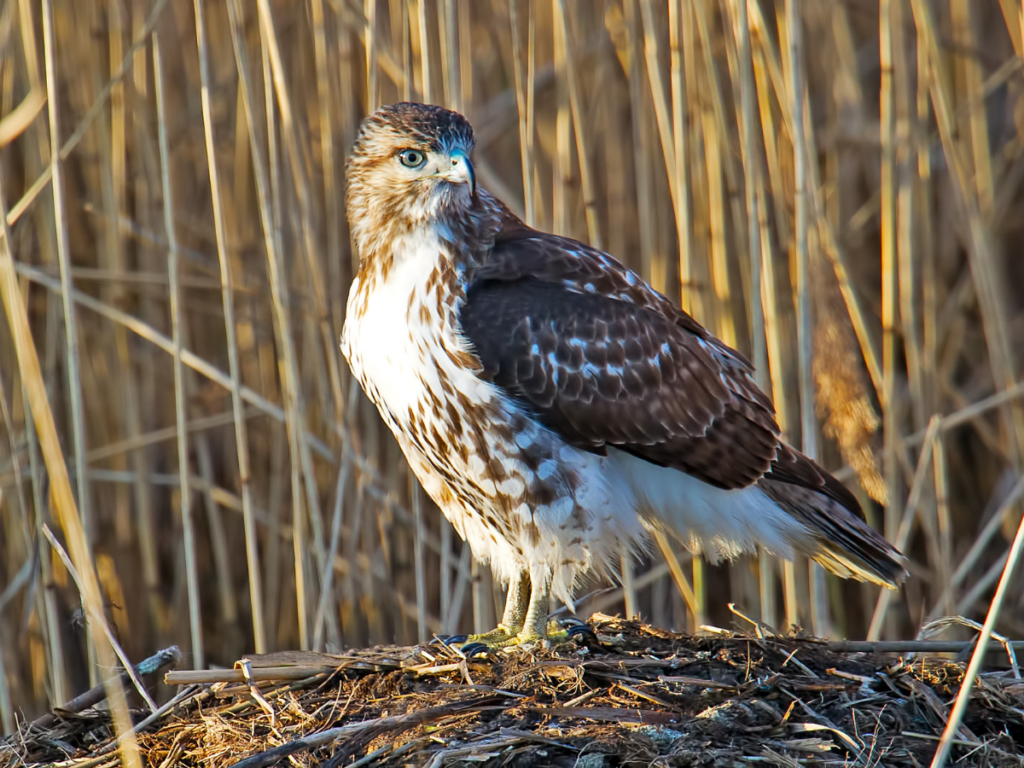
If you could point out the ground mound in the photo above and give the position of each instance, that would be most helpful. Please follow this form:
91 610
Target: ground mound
629 694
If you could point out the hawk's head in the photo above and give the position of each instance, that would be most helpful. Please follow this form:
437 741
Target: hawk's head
410 166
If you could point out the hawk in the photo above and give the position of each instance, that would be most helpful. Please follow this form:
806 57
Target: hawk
552 403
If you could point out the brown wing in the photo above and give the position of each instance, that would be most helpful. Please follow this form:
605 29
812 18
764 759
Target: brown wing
603 371
604 359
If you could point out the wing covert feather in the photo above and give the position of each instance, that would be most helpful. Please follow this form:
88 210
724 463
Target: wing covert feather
602 371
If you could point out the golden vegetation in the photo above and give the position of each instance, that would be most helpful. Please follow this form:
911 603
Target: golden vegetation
176 263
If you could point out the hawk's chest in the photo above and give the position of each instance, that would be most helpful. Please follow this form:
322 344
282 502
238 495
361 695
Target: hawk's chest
402 340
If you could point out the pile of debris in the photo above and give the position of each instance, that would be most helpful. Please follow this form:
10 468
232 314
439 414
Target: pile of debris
628 694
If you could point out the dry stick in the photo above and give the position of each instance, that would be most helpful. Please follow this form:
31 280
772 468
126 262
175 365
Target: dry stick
49 623
372 58
828 239
216 375
719 165
664 119
422 28
899 537
419 559
282 323
981 257
64 260
451 52
292 379
227 298
676 162
167 657
185 492
889 284
562 160
578 124
808 426
464 573
393 726
332 199
741 31
944 548
63 498
449 55
100 619
25 552
525 128
773 329
915 646
976 117
970 560
147 439
302 189
956 419
327 574
905 250
978 657
95 109
678 576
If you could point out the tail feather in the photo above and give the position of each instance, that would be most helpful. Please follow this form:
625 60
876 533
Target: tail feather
840 540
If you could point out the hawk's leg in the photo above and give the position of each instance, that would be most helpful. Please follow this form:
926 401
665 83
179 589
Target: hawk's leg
516 607
535 624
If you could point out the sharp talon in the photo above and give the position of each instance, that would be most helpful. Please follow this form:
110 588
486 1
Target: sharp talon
469 650
581 630
569 623
448 640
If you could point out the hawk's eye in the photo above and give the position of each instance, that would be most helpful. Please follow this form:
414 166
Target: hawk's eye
412 158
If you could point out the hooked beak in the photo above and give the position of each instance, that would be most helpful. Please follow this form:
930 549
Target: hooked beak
461 170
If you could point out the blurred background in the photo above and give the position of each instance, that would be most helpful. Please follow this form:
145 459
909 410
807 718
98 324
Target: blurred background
835 188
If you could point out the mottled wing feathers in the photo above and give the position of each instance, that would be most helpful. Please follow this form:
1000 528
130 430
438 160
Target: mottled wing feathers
602 371
792 467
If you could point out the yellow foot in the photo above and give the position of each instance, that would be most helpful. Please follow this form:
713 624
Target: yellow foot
498 637
554 634
502 636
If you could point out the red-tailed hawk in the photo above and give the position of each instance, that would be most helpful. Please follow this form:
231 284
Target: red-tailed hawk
553 404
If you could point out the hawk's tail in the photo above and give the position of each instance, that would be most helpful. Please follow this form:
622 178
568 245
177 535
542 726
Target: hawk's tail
840 540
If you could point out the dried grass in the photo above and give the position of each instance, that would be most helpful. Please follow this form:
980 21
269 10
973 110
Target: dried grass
631 694
185 232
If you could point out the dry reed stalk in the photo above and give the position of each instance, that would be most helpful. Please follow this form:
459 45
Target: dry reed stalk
578 122
185 491
319 82
808 429
227 290
671 130
902 533
62 496
991 300
956 715
562 170
675 162
524 92
327 593
890 427
688 593
292 378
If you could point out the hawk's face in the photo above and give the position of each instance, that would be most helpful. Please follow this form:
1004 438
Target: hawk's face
410 166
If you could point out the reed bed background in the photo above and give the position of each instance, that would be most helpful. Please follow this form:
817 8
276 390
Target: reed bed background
836 188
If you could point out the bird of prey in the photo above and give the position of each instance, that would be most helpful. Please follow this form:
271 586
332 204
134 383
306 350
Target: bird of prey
552 403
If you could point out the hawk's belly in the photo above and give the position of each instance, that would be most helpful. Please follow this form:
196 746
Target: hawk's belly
513 489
